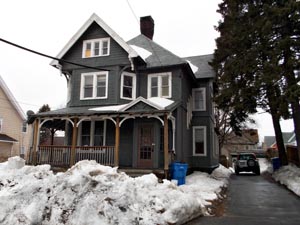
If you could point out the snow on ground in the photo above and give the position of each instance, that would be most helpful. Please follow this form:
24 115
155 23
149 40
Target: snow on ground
290 177
286 175
90 193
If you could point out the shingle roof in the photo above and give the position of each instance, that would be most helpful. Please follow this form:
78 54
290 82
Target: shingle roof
204 69
6 138
269 140
160 56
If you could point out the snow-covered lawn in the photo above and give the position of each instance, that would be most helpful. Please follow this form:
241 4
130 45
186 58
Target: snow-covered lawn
286 175
90 193
290 177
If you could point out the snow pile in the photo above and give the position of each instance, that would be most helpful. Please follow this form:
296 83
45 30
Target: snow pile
289 176
265 165
90 193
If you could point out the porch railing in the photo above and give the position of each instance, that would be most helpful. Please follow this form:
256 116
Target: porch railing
61 155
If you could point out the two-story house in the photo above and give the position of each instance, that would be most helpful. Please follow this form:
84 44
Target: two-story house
131 104
14 133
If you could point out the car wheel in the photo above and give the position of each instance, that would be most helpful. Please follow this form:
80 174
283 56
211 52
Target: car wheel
251 163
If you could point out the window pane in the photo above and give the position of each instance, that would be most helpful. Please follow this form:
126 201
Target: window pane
104 47
127 81
127 92
165 91
88 86
199 141
154 92
96 48
85 133
165 80
88 48
199 99
101 85
154 81
98 135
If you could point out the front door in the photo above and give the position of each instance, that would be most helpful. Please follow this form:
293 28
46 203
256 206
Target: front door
146 145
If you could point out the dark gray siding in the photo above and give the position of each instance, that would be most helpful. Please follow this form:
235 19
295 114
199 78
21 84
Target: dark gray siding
117 56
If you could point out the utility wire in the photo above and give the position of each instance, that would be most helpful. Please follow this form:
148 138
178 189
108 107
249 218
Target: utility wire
51 57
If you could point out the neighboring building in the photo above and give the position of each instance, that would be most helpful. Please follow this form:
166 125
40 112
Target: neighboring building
248 141
131 104
289 138
14 133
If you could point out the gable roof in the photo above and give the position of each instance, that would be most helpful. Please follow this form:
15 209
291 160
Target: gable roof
204 70
6 138
288 138
11 98
95 18
159 55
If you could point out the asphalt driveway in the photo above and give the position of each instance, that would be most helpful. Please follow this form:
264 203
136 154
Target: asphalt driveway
256 200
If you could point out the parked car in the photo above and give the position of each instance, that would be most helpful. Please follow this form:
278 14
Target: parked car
247 162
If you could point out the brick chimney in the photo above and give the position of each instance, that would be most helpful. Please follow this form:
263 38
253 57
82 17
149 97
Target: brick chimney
147 26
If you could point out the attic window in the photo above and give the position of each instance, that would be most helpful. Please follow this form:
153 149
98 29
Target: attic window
96 47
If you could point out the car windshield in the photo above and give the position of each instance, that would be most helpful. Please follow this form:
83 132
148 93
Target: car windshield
246 157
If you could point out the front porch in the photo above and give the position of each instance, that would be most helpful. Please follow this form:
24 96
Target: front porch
124 139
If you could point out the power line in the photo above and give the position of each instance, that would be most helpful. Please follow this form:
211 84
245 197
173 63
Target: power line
51 57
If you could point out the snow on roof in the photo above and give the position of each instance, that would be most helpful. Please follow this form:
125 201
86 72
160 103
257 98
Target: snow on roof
156 102
115 108
161 102
90 193
193 67
143 53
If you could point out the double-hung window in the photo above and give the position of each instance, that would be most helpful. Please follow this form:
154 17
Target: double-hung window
159 85
93 133
199 141
128 86
94 85
24 127
96 47
199 102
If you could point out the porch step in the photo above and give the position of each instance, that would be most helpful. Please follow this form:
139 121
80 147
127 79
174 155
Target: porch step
140 172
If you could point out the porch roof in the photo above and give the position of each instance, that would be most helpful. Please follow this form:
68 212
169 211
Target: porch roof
108 110
6 138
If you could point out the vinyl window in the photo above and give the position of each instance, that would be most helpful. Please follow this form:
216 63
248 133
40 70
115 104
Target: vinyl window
199 99
199 141
94 85
160 85
128 86
96 47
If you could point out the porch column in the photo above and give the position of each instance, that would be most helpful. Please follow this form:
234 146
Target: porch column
35 141
74 142
117 142
166 145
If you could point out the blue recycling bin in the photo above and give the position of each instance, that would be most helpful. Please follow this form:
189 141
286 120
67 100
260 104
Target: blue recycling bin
178 172
276 163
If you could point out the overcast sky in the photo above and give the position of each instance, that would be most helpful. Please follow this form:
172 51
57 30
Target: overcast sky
184 27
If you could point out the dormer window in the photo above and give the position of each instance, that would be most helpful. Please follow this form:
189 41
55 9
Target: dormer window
96 47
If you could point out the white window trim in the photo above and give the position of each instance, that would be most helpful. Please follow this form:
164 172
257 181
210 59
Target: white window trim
203 89
24 148
159 83
92 41
94 85
133 85
205 140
